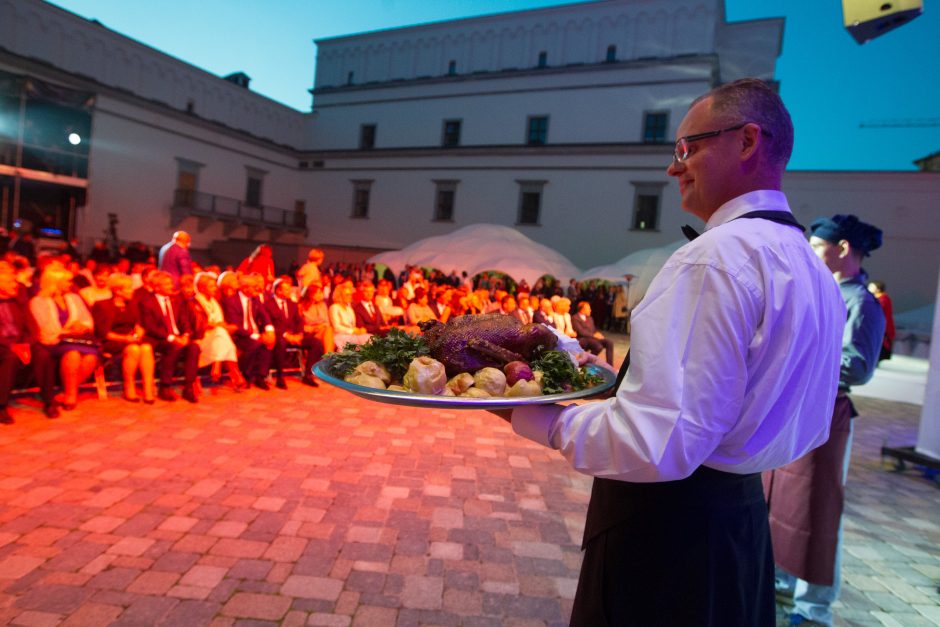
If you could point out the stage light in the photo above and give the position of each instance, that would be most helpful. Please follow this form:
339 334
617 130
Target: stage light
75 139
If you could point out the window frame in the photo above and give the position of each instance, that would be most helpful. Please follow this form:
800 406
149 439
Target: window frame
527 189
359 210
254 174
530 120
444 134
647 117
367 130
641 190
441 187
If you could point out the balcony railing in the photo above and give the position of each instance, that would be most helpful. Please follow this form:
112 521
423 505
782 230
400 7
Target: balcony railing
201 204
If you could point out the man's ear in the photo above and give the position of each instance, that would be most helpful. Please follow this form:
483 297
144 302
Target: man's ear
844 248
750 140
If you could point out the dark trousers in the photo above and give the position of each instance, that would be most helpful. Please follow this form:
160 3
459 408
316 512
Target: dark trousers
694 552
254 359
595 346
43 370
172 354
312 348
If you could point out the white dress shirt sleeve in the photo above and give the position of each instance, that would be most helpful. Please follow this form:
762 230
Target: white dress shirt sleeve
683 390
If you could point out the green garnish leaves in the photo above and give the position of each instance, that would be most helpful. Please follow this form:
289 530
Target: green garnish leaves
560 375
395 351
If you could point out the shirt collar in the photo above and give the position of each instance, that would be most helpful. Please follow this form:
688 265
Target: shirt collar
759 200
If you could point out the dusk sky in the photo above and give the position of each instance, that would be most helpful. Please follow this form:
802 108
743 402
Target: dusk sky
832 85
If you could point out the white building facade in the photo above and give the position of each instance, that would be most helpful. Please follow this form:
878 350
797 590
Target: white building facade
556 121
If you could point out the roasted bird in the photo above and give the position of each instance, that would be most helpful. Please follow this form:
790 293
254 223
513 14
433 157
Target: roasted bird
468 343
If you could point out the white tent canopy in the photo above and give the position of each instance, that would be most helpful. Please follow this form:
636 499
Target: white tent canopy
483 248
643 265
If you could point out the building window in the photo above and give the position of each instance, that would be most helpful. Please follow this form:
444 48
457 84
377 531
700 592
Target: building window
349 78
530 201
646 202
367 137
445 194
611 53
362 190
654 127
253 187
451 134
543 59
452 68
537 130
187 182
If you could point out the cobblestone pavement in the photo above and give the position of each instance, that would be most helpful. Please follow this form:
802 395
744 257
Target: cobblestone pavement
312 507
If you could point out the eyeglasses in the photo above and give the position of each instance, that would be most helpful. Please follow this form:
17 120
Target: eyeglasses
682 152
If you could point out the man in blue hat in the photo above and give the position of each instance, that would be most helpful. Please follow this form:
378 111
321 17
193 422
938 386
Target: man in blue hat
806 496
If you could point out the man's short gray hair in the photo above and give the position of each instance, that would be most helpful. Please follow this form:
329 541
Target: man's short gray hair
753 100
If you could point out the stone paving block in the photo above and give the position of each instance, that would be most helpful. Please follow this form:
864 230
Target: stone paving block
374 616
305 587
16 566
203 576
32 618
260 606
192 613
54 598
93 614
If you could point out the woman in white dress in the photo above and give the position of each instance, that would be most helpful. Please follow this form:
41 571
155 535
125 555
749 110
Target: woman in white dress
343 318
216 346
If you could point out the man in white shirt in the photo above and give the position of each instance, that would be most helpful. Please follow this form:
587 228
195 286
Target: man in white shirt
734 370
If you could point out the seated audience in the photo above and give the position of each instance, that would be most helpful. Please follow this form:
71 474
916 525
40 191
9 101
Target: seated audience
419 311
587 334
368 315
343 318
117 325
318 333
383 299
66 329
253 332
168 330
545 313
216 345
288 325
18 348
98 289
562 317
441 303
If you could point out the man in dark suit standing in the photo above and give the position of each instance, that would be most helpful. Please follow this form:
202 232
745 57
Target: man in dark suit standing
587 334
254 333
368 315
174 257
18 348
288 325
167 328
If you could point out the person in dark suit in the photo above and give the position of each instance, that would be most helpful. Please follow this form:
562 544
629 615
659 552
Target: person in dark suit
254 333
288 325
588 336
168 329
544 313
368 316
18 347
174 257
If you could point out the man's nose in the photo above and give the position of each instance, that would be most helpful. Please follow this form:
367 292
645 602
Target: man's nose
674 167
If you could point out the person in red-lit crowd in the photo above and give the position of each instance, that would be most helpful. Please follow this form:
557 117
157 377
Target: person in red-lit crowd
877 288
260 261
